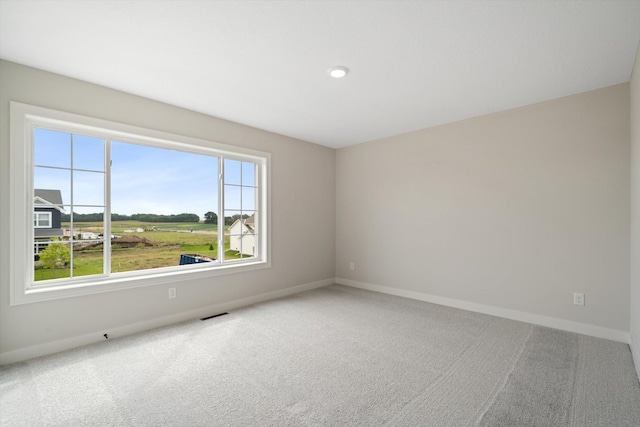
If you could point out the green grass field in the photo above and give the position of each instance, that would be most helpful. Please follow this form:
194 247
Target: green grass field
118 227
165 252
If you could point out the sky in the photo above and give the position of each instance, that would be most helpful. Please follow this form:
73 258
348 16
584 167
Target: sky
143 179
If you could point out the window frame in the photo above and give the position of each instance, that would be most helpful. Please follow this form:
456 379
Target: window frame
23 117
37 220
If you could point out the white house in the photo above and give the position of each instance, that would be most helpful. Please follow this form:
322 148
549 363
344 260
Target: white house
242 236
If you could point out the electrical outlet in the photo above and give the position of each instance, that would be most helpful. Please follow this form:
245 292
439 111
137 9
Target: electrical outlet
578 298
172 293
352 266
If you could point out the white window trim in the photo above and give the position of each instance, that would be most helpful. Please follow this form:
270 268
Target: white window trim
23 291
36 219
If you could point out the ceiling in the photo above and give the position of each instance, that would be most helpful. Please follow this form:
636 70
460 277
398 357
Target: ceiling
413 64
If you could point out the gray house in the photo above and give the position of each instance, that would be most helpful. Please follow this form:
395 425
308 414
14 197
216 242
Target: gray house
47 221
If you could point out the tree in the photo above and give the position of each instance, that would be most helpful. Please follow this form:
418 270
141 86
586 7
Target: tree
183 217
55 256
210 218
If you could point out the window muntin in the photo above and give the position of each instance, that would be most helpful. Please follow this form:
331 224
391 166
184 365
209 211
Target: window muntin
74 161
159 182
74 165
240 207
42 219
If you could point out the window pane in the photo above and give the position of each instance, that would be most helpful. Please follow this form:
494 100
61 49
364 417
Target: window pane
87 232
51 148
87 260
88 153
230 217
88 188
248 198
52 259
232 172
241 234
46 180
232 197
162 197
86 223
248 173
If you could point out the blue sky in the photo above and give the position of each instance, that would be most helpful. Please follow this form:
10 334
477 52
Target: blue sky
144 179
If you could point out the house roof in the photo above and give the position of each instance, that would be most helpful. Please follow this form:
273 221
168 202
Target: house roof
47 199
249 223
53 197
413 64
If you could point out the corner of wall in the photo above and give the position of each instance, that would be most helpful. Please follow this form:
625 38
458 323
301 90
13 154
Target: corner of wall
634 285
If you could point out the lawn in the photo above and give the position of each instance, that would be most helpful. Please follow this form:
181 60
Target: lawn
165 251
118 227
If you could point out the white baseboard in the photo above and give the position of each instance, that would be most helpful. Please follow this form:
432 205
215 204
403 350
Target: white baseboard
551 322
27 353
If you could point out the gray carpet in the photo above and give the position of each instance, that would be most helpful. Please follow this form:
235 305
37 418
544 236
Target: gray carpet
332 356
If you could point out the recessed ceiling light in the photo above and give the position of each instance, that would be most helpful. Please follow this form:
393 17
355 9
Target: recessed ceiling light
338 72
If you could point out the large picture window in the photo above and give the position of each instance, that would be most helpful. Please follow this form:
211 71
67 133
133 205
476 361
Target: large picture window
125 206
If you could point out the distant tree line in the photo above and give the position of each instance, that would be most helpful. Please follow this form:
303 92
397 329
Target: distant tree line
92 217
209 218
183 217
212 218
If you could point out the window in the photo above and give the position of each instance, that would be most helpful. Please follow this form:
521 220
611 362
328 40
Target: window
130 206
42 219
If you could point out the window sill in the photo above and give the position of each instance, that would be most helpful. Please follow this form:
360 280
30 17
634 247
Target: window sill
127 281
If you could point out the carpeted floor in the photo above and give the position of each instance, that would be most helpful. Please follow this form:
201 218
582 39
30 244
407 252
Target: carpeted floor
334 356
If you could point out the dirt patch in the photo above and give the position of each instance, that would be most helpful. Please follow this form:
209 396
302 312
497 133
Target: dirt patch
125 242
130 241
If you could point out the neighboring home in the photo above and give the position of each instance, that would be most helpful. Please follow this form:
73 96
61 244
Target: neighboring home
47 212
242 236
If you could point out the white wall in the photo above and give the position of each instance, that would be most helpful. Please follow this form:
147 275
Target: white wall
303 193
635 211
514 210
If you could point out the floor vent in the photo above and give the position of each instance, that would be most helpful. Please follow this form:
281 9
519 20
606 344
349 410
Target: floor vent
215 315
